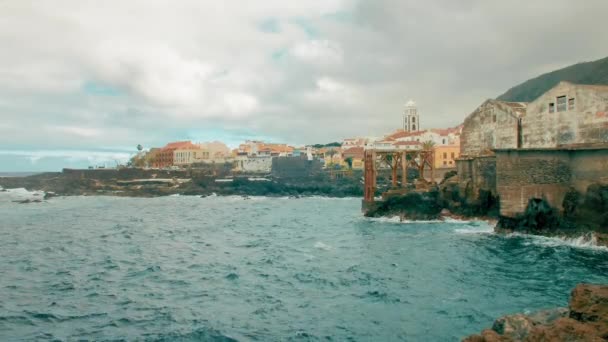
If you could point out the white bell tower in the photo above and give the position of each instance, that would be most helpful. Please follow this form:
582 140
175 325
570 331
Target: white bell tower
411 121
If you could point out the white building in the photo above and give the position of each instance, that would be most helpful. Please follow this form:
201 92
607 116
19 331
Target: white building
411 120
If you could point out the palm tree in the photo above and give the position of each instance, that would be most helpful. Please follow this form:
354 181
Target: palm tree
426 157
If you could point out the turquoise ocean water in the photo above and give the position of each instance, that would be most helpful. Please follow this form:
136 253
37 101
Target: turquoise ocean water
266 269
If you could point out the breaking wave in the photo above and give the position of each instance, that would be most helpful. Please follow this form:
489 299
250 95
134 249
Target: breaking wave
588 241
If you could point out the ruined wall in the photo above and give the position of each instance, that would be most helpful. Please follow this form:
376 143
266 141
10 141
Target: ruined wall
584 121
484 174
493 125
526 174
477 174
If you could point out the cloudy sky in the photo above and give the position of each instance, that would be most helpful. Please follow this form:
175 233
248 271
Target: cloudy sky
84 81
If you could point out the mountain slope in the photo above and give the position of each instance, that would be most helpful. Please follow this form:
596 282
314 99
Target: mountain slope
583 73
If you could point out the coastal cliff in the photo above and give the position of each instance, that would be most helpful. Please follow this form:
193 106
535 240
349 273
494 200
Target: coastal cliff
585 319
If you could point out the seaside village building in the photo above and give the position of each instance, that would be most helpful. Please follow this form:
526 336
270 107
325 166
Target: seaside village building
444 142
185 153
537 150
256 156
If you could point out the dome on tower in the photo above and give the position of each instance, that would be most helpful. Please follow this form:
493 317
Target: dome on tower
410 103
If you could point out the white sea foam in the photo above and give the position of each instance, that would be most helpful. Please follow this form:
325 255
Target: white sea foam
481 229
321 245
587 241
397 219
20 194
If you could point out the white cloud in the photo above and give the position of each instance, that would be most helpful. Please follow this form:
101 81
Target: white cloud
171 67
92 157
327 84
323 52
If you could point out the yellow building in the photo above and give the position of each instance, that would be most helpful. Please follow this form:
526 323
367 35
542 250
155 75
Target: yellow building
445 156
187 156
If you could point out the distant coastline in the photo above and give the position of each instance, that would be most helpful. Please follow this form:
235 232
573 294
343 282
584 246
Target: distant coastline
18 174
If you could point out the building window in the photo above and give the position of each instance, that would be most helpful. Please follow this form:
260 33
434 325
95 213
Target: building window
451 162
445 155
414 120
571 104
413 127
443 141
562 104
445 162
452 155
551 107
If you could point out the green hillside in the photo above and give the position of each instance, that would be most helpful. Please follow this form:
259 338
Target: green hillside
583 73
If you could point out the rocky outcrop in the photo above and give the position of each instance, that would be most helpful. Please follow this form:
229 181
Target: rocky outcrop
580 214
411 206
462 198
585 319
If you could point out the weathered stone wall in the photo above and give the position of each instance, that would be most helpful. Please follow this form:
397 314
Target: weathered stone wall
583 122
546 174
493 125
480 172
484 174
588 167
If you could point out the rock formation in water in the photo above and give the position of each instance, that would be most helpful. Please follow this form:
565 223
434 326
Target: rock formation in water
585 319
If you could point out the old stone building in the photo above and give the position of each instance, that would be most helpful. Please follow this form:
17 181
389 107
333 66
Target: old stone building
564 148
494 124
553 145
568 114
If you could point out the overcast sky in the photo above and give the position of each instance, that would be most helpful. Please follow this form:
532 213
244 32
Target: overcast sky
83 82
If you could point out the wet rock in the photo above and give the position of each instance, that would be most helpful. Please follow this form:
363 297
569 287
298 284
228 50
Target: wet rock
26 201
564 329
48 195
589 304
411 206
586 319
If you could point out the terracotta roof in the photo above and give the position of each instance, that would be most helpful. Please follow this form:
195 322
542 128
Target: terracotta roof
403 134
355 152
179 145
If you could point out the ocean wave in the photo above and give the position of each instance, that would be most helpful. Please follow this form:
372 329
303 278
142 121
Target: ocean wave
475 230
397 219
587 241
20 194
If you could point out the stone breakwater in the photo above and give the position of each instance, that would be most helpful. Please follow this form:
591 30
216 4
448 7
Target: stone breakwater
585 319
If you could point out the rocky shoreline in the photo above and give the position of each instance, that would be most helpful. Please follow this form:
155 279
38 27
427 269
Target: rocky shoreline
581 215
155 184
585 319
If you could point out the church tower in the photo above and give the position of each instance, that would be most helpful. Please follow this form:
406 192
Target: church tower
411 121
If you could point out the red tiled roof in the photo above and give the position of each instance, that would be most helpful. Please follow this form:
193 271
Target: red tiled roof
178 145
403 134
355 152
